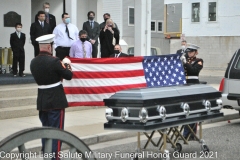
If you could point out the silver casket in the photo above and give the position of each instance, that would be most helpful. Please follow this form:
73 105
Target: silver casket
145 109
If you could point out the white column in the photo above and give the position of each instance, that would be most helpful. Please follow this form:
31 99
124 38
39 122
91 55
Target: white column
142 24
71 9
99 11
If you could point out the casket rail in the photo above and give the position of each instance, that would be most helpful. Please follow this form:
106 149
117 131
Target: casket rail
146 109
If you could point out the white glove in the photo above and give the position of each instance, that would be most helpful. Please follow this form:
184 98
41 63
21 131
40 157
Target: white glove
183 59
66 60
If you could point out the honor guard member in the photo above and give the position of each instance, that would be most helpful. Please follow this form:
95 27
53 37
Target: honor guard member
48 71
192 66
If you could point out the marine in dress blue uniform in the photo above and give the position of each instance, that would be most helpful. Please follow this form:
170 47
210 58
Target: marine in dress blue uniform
48 72
192 66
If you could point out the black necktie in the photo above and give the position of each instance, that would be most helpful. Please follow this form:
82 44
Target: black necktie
68 33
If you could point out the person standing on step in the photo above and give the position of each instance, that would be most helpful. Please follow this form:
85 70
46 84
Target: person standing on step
93 31
17 42
66 34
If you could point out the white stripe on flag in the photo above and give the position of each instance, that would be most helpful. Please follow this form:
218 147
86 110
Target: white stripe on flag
106 67
100 82
88 97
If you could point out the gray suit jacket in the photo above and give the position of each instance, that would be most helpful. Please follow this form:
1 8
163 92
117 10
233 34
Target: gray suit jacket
93 33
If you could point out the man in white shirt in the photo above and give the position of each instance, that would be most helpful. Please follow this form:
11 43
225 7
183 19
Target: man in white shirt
66 34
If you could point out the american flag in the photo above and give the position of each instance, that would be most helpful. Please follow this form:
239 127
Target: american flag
98 78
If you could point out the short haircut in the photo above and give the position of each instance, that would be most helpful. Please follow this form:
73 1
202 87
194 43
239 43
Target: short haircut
107 14
82 32
64 14
184 41
46 3
40 12
88 14
118 45
18 24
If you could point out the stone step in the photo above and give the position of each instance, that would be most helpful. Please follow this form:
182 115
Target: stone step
17 101
30 110
8 91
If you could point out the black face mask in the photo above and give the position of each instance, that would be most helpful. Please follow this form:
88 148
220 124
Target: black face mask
105 19
91 18
116 51
83 39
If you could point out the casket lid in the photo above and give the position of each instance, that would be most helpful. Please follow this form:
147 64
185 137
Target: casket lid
169 94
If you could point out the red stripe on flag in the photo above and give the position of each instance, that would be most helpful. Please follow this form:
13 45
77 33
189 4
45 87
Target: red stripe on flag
99 90
95 103
108 74
106 60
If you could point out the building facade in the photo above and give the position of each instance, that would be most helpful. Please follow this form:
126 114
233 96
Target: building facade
122 12
212 25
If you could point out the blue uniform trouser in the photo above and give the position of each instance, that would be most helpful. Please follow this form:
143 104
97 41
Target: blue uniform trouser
53 118
186 130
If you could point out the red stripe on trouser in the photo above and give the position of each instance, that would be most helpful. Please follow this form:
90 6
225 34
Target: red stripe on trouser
60 127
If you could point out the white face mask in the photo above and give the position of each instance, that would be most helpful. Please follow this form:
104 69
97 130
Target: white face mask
19 29
46 10
183 47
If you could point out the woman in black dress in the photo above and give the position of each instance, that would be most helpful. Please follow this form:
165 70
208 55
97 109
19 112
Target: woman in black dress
109 36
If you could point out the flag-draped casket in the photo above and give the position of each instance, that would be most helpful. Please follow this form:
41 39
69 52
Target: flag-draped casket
99 78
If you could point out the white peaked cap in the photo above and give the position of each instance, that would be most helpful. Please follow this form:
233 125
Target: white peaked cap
46 38
192 46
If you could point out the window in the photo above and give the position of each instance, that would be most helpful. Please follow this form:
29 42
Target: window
130 16
153 26
195 12
212 11
160 26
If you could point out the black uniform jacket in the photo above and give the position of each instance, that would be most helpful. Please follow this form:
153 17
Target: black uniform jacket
192 68
48 70
17 44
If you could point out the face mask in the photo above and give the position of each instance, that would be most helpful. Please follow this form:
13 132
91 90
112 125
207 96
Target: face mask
19 29
116 51
91 18
183 47
83 39
105 19
46 10
67 20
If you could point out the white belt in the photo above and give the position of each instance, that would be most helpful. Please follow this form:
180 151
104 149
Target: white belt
192 77
49 86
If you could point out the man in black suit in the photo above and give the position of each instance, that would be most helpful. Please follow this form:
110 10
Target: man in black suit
38 29
50 19
17 42
183 48
93 30
118 52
